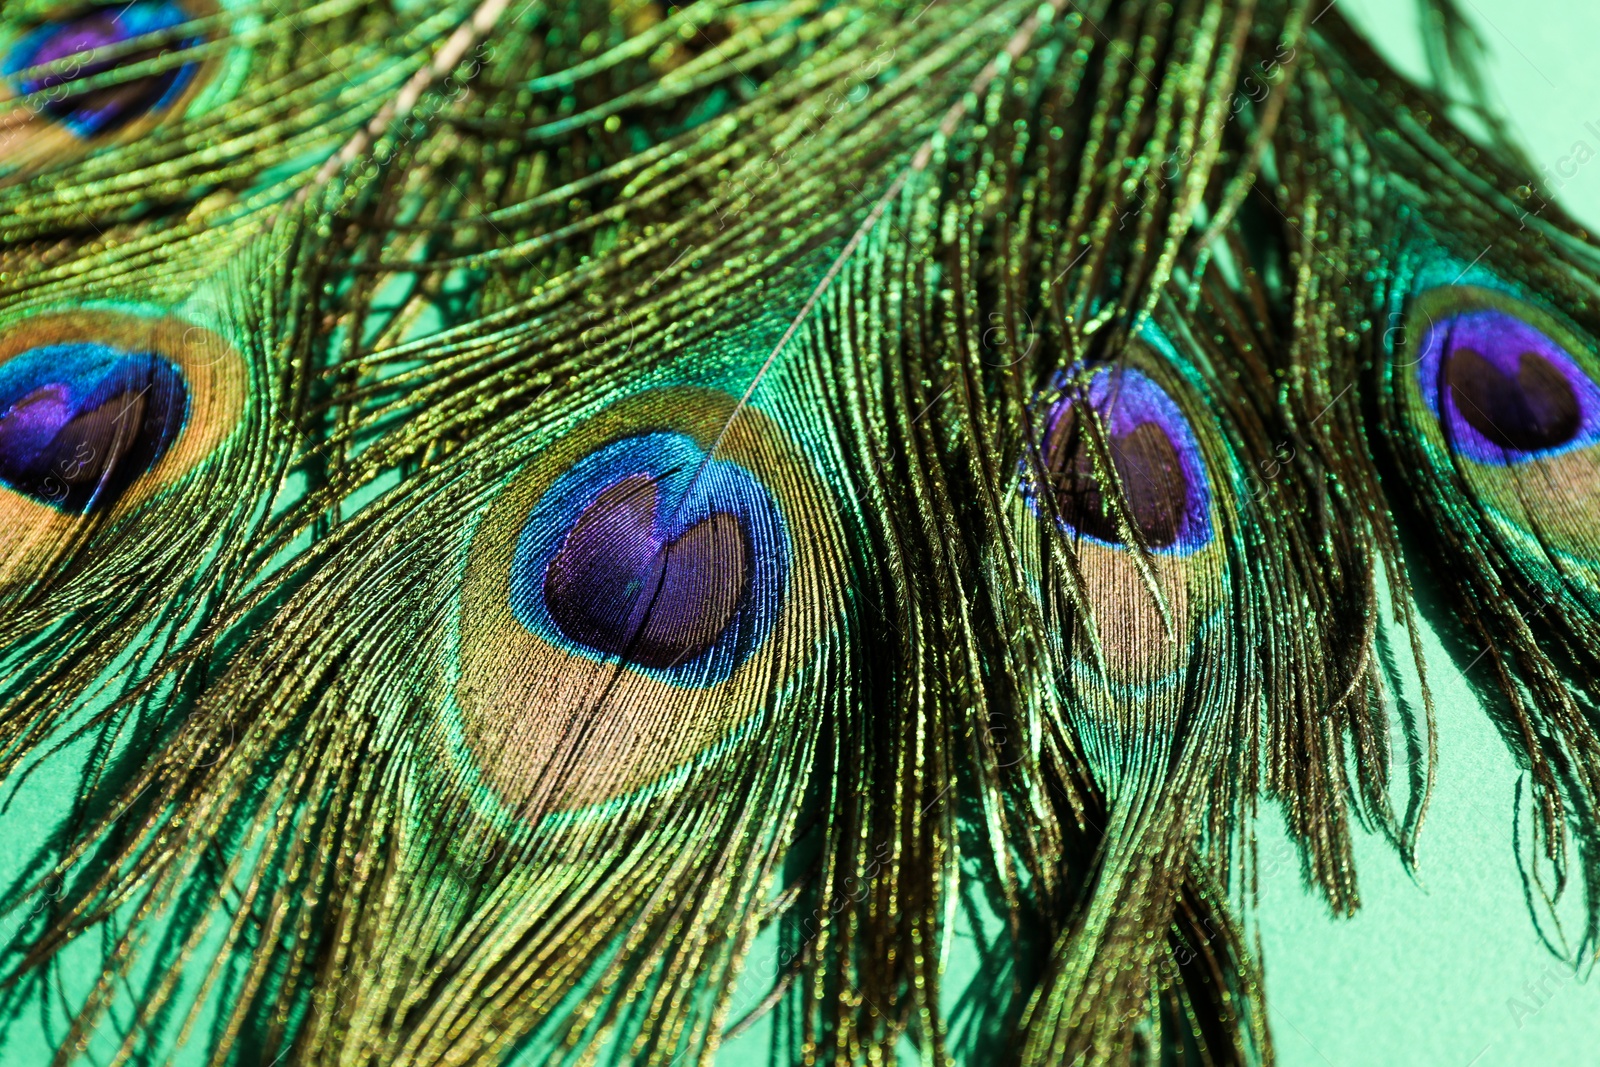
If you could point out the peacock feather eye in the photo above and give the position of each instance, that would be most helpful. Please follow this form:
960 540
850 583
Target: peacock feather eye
51 58
1501 399
646 552
642 588
1146 614
1500 377
100 410
1151 447
79 422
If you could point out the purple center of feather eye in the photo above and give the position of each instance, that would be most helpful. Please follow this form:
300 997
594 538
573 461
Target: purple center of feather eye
1154 454
621 586
79 422
1513 391
1531 410
650 552
62 44
1146 462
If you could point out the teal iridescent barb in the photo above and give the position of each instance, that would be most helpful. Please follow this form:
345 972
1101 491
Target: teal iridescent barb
503 504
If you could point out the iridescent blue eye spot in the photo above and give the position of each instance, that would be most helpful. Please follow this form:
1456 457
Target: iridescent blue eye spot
56 45
646 553
79 422
1154 452
1510 392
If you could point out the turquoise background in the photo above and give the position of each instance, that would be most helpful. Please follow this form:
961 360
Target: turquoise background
1445 967
1448 968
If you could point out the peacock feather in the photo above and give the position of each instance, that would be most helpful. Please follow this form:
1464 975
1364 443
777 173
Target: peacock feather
510 506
